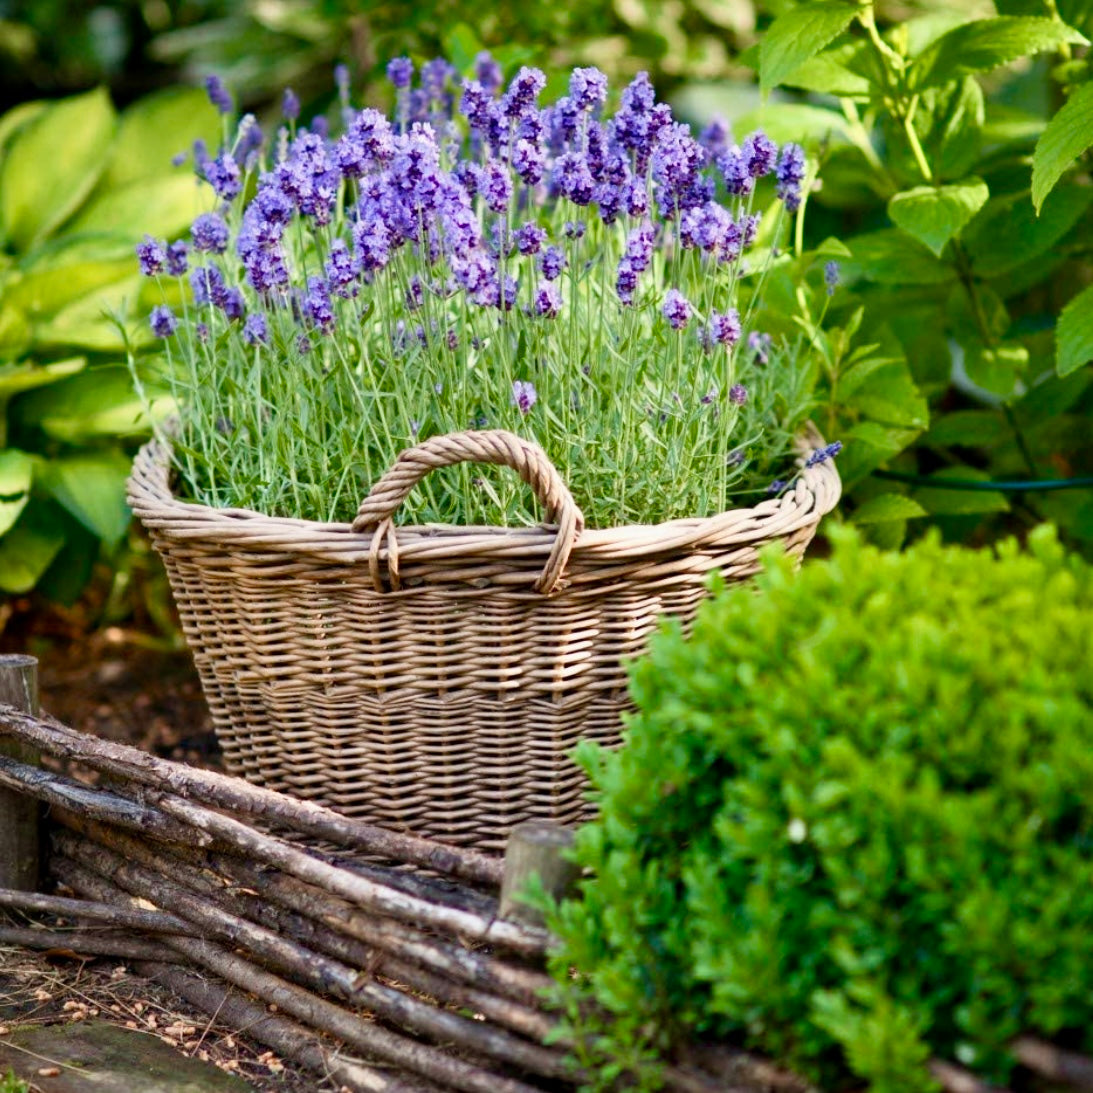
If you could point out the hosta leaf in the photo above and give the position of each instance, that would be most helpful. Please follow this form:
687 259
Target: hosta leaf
91 486
52 165
27 551
1074 333
798 34
163 207
984 44
25 375
16 472
935 214
885 507
1066 137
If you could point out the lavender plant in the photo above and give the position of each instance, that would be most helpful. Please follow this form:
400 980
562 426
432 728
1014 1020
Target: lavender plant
481 260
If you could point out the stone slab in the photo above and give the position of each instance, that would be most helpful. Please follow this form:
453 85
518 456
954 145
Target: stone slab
98 1057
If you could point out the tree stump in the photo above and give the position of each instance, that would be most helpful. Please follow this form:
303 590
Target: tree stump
20 865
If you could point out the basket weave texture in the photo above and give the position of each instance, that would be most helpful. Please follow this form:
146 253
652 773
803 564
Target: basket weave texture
434 678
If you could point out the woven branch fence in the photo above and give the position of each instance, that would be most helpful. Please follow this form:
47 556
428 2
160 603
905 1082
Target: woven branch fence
385 955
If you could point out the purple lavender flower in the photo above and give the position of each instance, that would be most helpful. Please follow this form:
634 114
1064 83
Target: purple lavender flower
639 247
706 227
572 178
488 72
831 276
177 258
218 94
776 486
522 92
303 345
790 174
495 186
231 302
222 174
163 321
476 105
548 300
530 238
179 158
320 127
588 88
759 344
733 165
552 262
637 198
415 294
677 158
738 394
524 395
290 105
676 309
210 233
725 329
435 75
626 280
341 81
317 305
562 120
202 332
208 285
749 226
760 153
255 330
400 72
151 256
822 455
452 341
608 200
368 143
341 270
715 137
528 162
639 95
573 229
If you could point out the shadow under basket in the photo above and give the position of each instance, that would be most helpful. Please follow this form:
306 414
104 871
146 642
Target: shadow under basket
435 682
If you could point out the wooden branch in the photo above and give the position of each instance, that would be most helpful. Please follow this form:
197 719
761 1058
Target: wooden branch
20 862
81 943
290 1040
155 922
697 1065
366 1036
1053 1062
235 795
322 974
536 849
955 1079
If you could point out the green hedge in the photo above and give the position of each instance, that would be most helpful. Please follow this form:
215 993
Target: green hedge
851 825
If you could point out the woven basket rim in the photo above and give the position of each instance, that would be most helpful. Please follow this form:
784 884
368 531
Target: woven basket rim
814 493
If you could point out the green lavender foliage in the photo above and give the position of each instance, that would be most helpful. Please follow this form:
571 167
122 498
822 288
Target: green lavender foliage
76 178
955 150
850 824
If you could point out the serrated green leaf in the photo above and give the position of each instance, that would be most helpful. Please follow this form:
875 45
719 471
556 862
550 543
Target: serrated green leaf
798 34
889 395
968 428
827 75
960 502
984 44
891 257
16 473
154 129
27 551
1066 137
91 486
885 507
52 165
1074 333
1007 233
996 369
935 214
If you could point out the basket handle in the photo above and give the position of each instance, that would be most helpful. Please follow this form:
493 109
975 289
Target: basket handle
474 446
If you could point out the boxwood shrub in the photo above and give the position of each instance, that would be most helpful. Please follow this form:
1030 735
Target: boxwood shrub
851 825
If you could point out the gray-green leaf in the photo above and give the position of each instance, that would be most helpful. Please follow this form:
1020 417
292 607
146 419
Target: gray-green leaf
1066 137
1074 333
798 34
52 165
934 214
984 44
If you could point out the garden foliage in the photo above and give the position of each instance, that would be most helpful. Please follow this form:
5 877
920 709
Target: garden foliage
850 824
75 177
959 182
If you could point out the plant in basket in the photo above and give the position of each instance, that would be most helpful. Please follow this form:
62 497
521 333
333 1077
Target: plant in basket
568 290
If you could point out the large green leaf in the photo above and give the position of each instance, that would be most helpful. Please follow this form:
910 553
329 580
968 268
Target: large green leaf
1074 333
985 44
27 551
783 121
892 257
885 507
960 502
162 207
934 214
17 117
25 375
996 368
87 323
52 165
14 330
91 486
57 283
1008 233
798 34
154 129
889 395
16 473
1066 137
827 74
96 403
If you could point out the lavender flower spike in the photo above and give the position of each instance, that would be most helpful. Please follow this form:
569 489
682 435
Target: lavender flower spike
738 394
151 256
790 173
163 321
290 105
210 233
831 276
676 309
524 395
400 72
588 88
218 94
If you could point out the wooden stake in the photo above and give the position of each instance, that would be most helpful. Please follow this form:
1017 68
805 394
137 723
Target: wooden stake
20 863
536 849
85 943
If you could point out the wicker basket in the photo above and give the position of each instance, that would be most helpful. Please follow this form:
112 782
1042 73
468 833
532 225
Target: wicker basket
434 681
